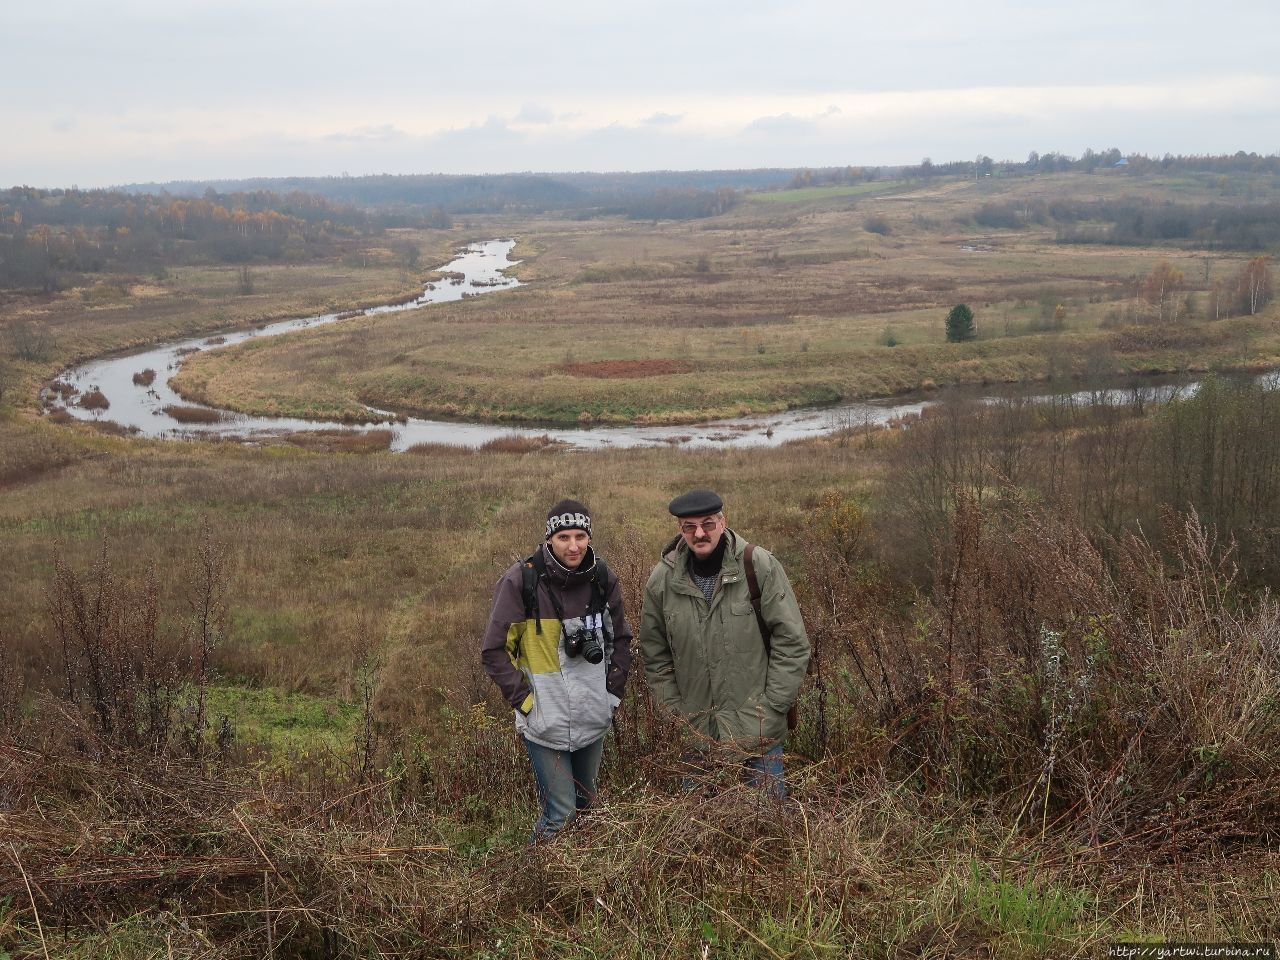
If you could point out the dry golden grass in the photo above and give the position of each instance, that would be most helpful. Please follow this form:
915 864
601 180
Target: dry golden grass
195 300
796 307
187 414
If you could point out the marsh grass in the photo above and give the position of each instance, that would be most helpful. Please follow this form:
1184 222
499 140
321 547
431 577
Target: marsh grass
188 301
792 315
1032 728
341 441
188 414
946 797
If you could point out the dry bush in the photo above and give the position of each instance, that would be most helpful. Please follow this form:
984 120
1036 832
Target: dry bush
445 450
122 681
188 414
520 443
1126 697
342 441
94 400
144 378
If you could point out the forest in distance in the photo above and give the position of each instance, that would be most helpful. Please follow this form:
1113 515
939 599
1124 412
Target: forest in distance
241 707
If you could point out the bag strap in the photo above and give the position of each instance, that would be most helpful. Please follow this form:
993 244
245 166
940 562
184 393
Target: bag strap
753 585
530 573
534 571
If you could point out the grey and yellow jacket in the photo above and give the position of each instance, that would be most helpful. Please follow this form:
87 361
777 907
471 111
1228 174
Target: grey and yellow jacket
560 702
706 662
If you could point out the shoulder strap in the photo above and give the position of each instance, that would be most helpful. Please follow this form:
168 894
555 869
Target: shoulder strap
600 581
531 572
753 585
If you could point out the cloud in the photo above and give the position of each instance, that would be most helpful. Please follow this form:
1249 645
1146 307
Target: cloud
782 125
661 119
377 134
534 113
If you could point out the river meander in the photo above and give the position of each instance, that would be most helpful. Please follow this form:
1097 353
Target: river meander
480 269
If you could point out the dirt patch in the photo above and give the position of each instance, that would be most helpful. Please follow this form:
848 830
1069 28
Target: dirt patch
626 369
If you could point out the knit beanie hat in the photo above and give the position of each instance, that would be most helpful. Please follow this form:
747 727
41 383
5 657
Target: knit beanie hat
568 515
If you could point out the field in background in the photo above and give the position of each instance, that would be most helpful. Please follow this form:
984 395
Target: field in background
1045 714
790 299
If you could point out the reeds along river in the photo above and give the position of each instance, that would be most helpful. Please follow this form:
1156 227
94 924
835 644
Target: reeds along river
137 401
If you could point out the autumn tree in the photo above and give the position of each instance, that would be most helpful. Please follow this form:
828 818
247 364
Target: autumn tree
960 324
1253 286
1160 288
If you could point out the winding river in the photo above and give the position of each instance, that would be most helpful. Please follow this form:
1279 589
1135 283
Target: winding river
138 404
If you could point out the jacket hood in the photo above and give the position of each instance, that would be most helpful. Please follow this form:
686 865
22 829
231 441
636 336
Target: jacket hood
558 573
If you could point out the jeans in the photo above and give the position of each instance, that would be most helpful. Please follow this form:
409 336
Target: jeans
566 782
764 771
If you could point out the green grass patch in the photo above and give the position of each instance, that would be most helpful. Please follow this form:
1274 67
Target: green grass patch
286 723
1042 917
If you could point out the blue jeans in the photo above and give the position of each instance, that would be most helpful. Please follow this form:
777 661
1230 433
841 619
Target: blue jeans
764 771
566 782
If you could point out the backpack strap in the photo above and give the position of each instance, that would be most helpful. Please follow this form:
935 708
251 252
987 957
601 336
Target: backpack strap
533 570
600 581
753 585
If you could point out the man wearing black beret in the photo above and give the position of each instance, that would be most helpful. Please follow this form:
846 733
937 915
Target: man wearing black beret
725 648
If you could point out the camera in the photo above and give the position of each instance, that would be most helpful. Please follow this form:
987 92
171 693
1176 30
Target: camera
583 642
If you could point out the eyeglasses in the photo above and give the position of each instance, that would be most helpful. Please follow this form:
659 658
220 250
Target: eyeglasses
709 525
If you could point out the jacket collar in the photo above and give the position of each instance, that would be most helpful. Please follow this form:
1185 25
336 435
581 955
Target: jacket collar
560 575
731 569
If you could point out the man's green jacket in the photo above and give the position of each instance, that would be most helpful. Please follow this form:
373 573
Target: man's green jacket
706 662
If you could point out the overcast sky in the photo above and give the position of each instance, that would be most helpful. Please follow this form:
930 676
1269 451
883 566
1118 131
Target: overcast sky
139 90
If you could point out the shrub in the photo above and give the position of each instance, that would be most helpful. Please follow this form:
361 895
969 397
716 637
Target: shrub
94 400
877 224
959 324
188 414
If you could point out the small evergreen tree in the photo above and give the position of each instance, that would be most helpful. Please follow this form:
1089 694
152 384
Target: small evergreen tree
960 324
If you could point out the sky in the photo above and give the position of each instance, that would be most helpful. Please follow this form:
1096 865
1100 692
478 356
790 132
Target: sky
98 94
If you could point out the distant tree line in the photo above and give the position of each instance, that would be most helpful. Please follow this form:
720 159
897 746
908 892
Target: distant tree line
1134 221
833 176
1091 161
48 235
429 199
687 204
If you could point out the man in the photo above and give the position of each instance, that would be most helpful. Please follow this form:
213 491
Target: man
705 657
558 647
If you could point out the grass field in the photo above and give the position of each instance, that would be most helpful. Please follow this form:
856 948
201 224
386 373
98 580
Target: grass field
1031 734
349 573
786 301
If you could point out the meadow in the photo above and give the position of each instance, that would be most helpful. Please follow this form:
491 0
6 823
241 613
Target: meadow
243 715
791 299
